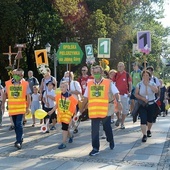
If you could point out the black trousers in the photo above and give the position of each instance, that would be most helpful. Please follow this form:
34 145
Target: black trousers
147 113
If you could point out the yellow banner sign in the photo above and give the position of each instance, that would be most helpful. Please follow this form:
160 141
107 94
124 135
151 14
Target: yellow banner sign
41 57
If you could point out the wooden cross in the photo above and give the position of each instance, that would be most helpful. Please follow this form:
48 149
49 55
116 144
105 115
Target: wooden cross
9 55
19 54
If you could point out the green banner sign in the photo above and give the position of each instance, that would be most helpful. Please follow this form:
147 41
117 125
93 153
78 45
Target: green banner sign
104 47
89 50
69 53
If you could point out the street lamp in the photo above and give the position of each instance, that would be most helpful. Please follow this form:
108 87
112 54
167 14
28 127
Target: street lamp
48 47
52 57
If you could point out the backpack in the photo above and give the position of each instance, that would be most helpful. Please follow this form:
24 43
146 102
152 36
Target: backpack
137 72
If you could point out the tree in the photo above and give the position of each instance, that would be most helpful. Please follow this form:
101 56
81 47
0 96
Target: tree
144 16
36 23
54 21
40 25
10 21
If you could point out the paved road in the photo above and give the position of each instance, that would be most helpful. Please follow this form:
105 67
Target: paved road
40 150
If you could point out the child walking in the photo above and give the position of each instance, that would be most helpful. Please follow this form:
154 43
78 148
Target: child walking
35 102
66 107
49 101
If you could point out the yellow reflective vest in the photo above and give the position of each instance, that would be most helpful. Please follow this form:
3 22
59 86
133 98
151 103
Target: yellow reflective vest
66 108
98 98
16 97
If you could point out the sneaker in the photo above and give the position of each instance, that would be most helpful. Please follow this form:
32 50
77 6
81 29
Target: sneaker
62 146
18 145
112 145
122 126
149 134
47 131
33 125
75 131
144 139
53 128
11 128
93 153
117 122
70 140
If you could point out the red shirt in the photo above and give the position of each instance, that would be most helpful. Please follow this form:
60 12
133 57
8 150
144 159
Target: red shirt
83 82
122 82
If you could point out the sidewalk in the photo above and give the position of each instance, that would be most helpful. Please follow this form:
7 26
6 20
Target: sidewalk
40 150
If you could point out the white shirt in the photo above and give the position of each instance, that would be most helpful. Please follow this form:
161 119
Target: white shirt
49 100
142 90
114 89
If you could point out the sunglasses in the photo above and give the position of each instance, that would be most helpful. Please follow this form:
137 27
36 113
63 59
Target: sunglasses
83 70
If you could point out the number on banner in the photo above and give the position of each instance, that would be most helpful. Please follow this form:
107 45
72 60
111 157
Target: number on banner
41 57
105 45
144 41
89 50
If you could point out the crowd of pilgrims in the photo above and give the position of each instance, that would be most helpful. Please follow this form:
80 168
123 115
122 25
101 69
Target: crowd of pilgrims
139 85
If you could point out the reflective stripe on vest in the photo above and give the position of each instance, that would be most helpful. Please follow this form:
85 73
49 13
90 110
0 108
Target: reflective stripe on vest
98 98
64 117
16 97
66 109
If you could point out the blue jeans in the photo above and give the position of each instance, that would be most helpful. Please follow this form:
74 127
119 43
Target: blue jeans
17 119
95 124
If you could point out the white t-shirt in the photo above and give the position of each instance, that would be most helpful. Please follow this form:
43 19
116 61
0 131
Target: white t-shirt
35 97
114 89
49 100
142 90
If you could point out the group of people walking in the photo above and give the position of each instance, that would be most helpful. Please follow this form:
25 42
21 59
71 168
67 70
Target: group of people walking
101 95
